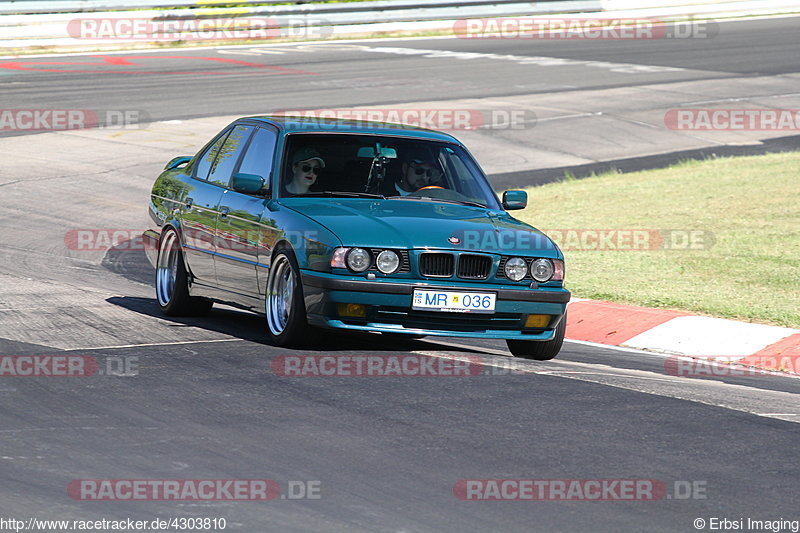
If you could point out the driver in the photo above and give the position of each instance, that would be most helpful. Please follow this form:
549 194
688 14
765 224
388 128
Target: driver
418 171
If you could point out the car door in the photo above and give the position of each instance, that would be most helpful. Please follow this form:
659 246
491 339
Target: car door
199 215
240 228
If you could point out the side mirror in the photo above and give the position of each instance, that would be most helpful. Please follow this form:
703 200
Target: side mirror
247 183
515 200
178 161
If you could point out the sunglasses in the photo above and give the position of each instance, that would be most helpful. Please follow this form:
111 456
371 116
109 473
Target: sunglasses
429 172
309 168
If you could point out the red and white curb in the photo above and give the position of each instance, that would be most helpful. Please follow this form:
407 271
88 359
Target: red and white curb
678 333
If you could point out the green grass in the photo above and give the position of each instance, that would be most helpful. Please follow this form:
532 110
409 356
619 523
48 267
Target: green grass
750 205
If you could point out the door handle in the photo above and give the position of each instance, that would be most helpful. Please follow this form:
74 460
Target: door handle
223 211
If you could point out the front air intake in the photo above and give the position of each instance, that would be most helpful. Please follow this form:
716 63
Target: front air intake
436 265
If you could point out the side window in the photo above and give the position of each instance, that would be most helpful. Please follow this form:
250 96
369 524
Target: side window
207 159
258 158
228 155
463 179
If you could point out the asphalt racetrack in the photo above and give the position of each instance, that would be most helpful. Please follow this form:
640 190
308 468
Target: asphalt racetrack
201 399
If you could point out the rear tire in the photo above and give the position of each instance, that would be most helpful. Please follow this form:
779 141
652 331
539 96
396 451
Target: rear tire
172 280
537 350
284 306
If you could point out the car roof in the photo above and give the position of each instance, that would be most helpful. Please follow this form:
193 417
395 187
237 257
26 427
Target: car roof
298 124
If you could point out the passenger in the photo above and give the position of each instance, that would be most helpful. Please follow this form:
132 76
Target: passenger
306 166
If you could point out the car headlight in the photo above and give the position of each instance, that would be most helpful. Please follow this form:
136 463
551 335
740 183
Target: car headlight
516 268
388 262
542 270
358 259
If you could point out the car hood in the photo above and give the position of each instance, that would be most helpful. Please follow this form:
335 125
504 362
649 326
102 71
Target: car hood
408 224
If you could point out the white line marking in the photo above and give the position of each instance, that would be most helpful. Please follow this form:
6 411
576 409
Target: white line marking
715 364
619 348
256 51
690 395
740 99
539 61
82 428
575 115
731 365
471 348
172 50
153 344
226 47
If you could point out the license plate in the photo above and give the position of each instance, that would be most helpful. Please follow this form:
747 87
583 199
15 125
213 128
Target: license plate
454 301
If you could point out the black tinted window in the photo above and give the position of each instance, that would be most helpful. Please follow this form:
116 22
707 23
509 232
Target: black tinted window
404 168
228 155
207 159
258 158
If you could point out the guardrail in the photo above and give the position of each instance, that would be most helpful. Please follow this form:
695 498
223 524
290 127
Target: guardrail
27 7
53 28
52 23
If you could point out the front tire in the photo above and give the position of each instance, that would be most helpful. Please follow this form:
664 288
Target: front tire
540 351
172 280
285 309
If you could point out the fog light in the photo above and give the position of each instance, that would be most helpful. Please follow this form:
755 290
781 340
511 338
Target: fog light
537 321
352 310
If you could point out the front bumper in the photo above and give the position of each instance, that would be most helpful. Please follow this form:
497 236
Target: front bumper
389 308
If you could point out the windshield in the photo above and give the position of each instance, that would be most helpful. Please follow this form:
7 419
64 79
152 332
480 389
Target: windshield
370 166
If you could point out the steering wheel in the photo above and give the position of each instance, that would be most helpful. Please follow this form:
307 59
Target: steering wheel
430 187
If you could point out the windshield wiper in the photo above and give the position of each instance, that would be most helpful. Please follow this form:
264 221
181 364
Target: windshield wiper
345 194
430 199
